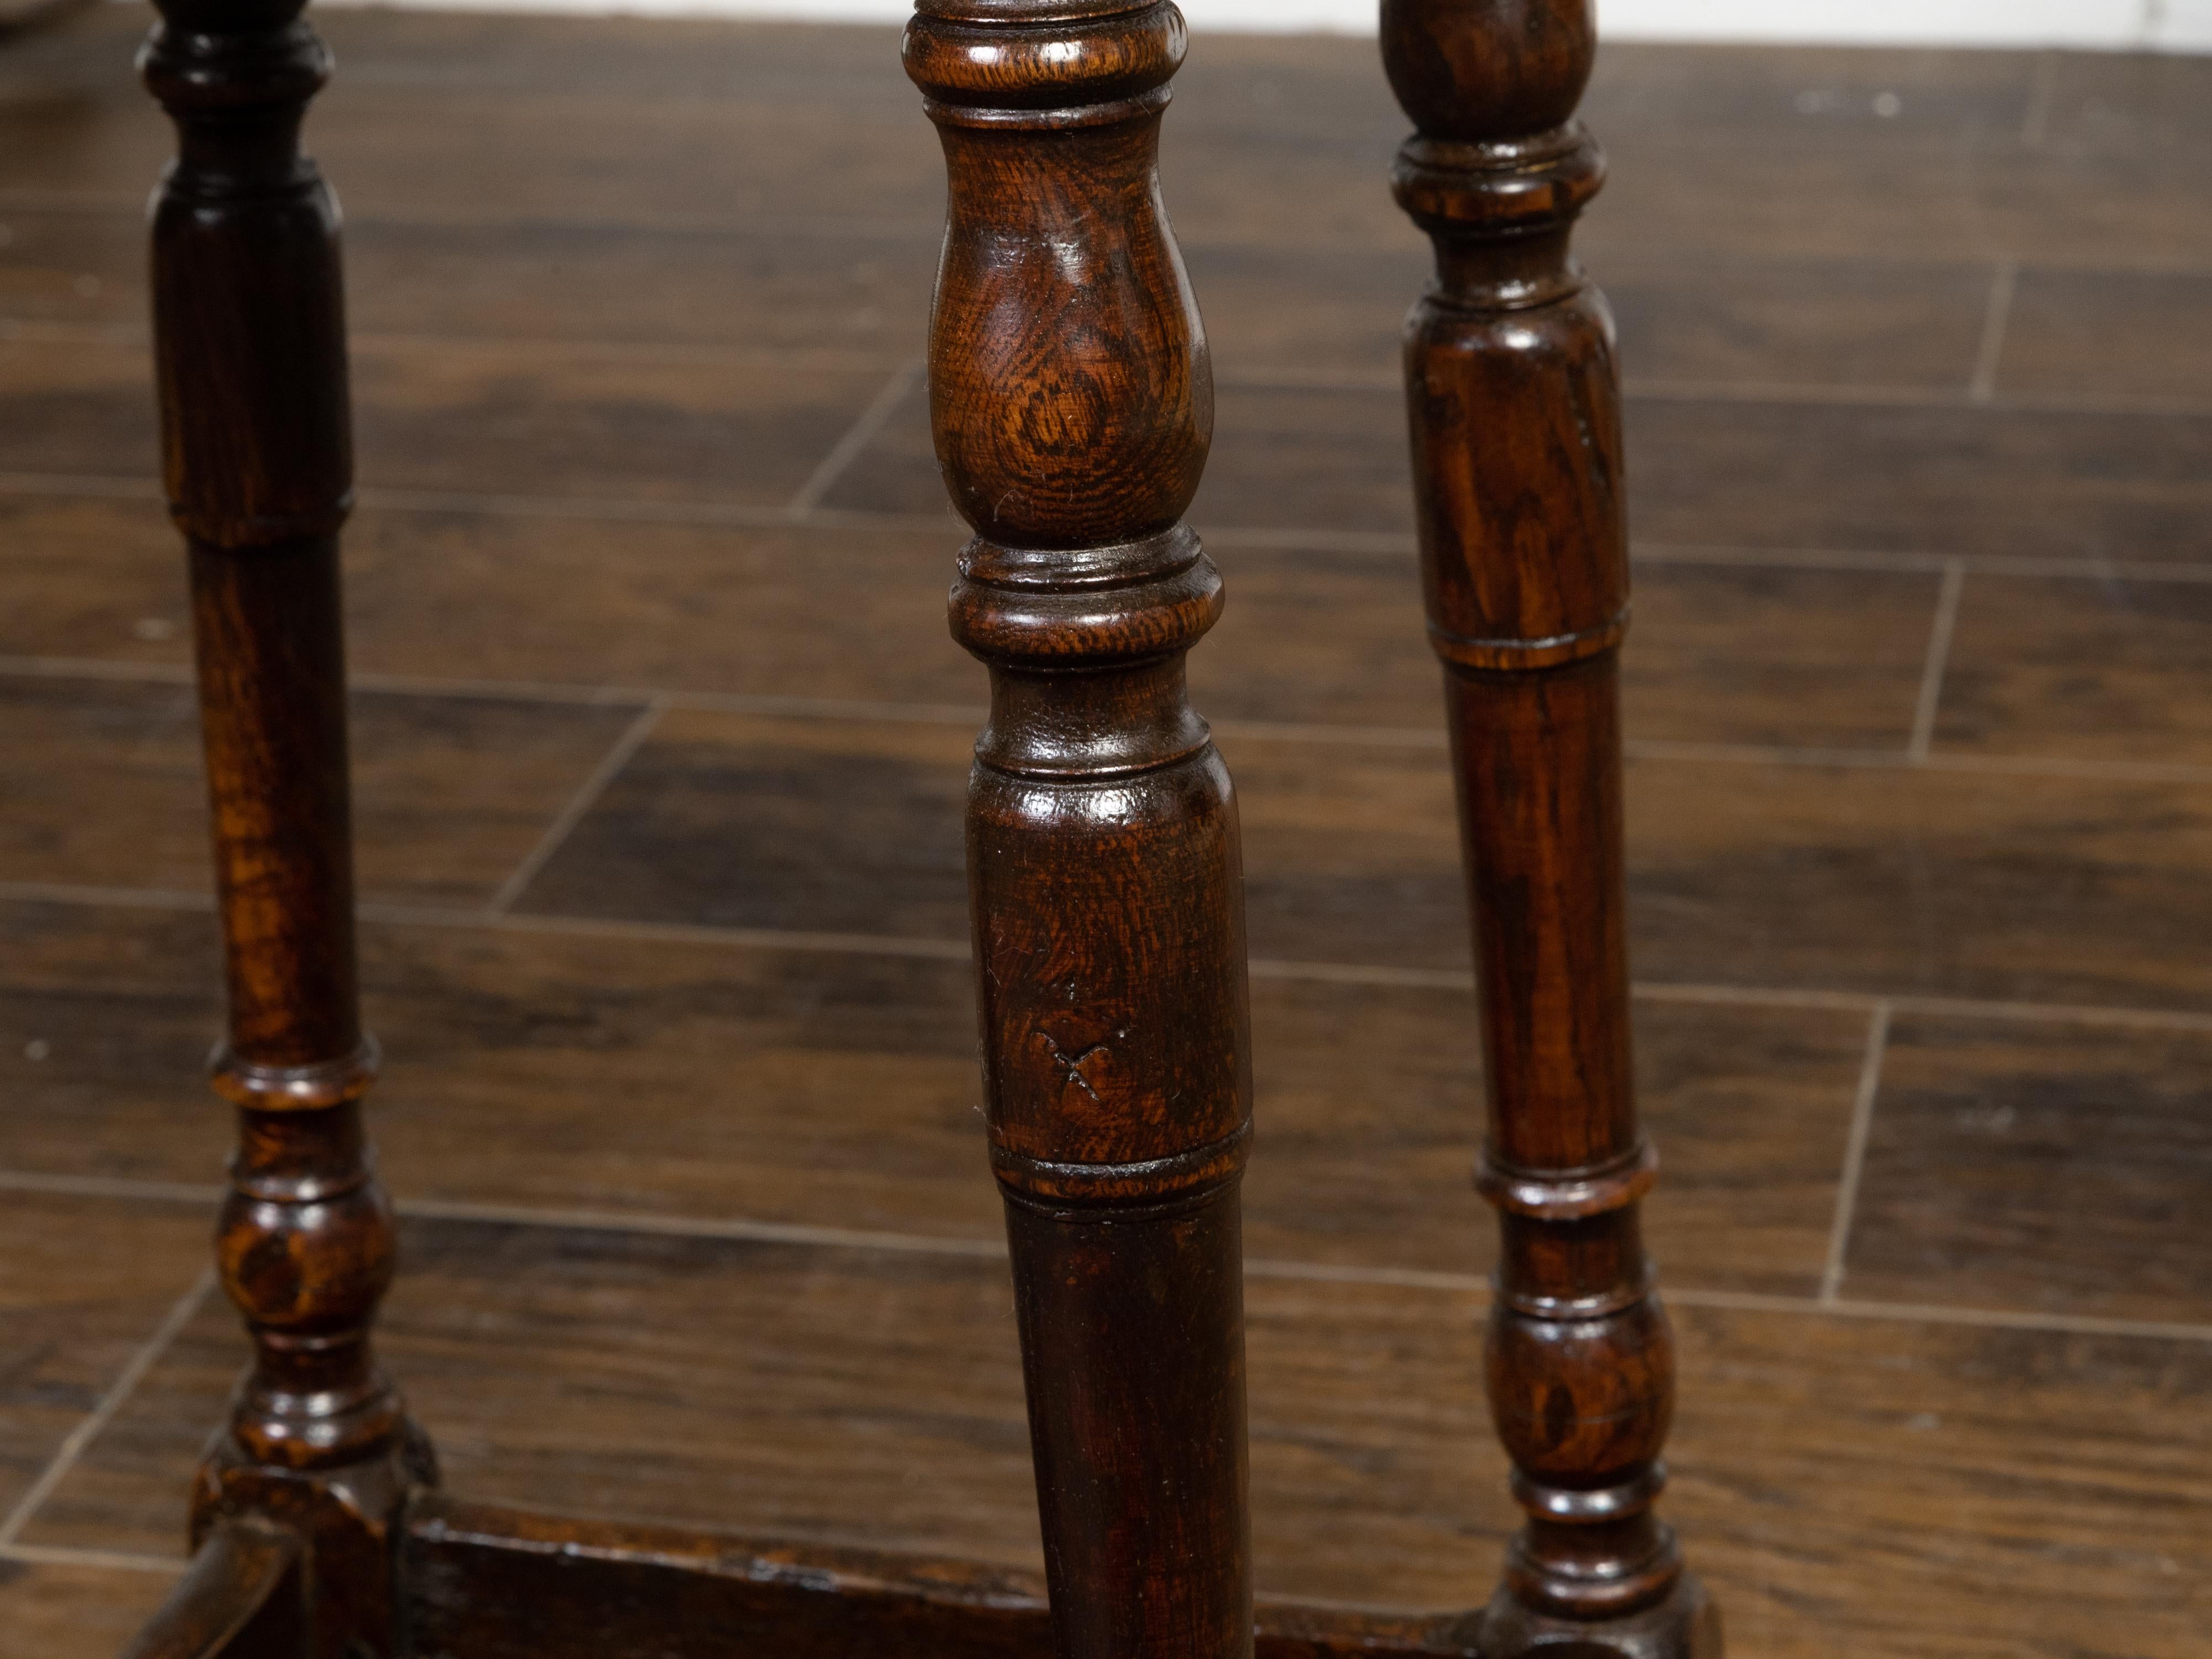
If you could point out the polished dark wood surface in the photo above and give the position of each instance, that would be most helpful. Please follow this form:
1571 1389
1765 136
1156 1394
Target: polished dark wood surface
1514 401
249 349
1934 1463
244 1596
486 1583
1071 400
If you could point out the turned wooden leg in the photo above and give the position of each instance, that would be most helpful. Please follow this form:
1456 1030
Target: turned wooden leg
249 341
1071 401
1513 399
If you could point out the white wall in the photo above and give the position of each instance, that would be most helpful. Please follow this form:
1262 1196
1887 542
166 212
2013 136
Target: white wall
2121 24
2112 25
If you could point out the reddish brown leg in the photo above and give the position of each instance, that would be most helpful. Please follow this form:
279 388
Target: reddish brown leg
1072 402
249 340
1514 401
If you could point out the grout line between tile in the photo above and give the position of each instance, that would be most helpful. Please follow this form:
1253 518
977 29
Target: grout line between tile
1847 1188
943 949
400 915
1937 662
846 450
1936 1313
596 509
120 670
70 1186
2141 1020
739 1229
582 802
971 715
1259 539
411 685
92 202
1756 996
110 1403
1335 973
1980 390
1328 1272
690 354
38 332
1364 737
929 231
1982 386
47 1555
1395 1612
771 705
128 898
98 486
1984 564
1916 755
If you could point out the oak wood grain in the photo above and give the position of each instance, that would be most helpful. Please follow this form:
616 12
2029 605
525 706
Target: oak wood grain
249 351
1933 1491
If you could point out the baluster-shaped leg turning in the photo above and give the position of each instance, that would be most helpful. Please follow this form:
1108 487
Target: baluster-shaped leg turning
249 341
1513 399
1071 401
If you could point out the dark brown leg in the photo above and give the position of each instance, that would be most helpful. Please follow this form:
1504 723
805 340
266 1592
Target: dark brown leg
250 347
1514 401
1071 401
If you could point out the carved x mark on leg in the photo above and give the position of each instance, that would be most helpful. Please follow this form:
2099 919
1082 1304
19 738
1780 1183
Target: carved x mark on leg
1071 1066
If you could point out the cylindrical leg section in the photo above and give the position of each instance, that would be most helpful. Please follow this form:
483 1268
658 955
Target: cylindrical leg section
250 353
1514 403
1072 404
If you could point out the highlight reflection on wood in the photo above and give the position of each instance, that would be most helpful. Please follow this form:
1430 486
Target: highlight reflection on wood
1072 409
1513 400
1071 403
250 349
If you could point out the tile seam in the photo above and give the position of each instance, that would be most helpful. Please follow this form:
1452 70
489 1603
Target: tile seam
49 1555
1978 394
1855 1146
103 1412
878 228
1916 755
1282 538
577 807
740 1229
1935 664
2119 1016
1982 386
857 437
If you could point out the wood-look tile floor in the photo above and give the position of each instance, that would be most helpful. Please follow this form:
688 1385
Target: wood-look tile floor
660 745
